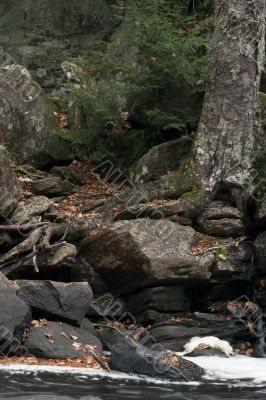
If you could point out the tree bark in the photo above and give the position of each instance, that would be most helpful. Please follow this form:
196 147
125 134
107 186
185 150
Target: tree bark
225 146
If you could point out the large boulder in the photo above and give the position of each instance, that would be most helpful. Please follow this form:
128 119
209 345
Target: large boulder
131 255
8 184
131 357
34 207
160 159
220 219
55 340
15 315
27 120
172 299
52 186
34 35
175 333
57 300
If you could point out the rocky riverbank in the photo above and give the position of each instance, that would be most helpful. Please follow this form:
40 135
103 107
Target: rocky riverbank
87 259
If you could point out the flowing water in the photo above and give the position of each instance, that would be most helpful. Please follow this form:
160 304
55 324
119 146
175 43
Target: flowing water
234 378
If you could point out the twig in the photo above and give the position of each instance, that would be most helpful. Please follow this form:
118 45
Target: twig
235 243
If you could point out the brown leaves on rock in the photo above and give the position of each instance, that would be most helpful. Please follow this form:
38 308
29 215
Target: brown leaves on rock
86 361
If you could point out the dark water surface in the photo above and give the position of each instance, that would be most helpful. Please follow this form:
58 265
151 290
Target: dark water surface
36 385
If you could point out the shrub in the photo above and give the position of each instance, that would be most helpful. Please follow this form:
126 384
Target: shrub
146 85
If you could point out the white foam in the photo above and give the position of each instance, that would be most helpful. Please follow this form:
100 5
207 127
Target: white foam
235 368
211 341
235 371
84 372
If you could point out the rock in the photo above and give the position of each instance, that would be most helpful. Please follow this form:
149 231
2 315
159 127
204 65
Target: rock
59 341
160 159
111 337
238 259
63 254
15 315
8 184
260 249
107 306
34 207
70 174
222 289
174 334
87 208
41 42
206 353
130 357
221 220
27 120
172 210
172 299
52 186
56 300
87 326
131 255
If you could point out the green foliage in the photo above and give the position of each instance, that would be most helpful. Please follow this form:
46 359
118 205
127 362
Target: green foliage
146 85
223 254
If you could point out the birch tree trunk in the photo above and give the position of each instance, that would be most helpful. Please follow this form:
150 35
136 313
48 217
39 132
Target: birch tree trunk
226 144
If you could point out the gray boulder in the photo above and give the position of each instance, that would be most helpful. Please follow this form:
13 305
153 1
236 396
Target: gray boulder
70 174
131 357
172 299
60 341
174 334
27 121
15 315
33 33
131 255
52 186
34 207
160 159
221 220
57 300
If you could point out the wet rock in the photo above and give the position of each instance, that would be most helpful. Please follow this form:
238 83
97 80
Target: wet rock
221 220
52 186
260 249
111 337
206 353
34 207
172 299
131 255
8 184
15 315
160 159
56 300
27 120
130 357
174 334
60 341
70 174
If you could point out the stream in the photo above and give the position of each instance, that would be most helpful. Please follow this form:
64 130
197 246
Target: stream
226 378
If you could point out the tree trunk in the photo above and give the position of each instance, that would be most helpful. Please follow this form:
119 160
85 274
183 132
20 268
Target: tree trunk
226 144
